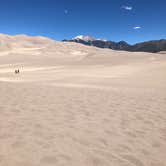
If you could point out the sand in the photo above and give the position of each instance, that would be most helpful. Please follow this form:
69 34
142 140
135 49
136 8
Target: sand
74 105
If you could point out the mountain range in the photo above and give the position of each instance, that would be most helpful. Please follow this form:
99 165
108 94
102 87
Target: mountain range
152 46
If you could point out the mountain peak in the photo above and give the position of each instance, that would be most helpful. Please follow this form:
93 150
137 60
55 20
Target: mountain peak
84 37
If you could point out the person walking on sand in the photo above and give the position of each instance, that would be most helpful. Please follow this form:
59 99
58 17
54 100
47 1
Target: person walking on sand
17 71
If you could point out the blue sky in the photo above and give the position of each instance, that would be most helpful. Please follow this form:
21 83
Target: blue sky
129 20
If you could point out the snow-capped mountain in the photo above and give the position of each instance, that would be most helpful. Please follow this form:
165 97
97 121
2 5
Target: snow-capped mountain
148 46
101 43
84 38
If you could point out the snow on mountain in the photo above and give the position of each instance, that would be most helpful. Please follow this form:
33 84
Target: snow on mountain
85 38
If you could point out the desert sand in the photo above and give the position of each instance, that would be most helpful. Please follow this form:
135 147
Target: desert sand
74 105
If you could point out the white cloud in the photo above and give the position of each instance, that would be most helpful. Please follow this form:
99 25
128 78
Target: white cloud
66 11
137 27
127 7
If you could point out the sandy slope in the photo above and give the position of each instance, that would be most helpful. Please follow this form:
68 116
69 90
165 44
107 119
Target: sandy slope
73 105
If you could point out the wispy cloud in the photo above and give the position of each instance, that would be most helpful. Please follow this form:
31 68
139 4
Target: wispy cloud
66 11
127 7
137 27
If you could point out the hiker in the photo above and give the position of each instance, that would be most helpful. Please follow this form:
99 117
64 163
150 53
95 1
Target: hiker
17 71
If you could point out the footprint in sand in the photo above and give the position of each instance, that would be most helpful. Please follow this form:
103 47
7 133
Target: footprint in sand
18 144
132 159
1 158
49 160
54 160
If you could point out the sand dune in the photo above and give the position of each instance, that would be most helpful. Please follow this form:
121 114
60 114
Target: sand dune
74 105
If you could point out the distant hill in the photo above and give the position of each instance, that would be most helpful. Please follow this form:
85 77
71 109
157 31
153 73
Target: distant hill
148 46
87 40
8 42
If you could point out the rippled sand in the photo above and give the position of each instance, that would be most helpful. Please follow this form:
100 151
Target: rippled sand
82 106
